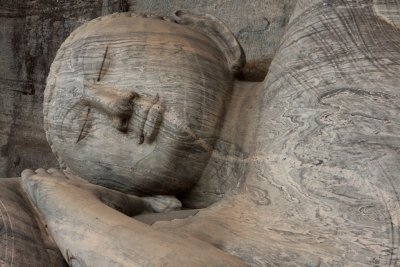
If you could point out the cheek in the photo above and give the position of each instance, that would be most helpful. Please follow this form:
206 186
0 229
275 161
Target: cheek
107 144
195 107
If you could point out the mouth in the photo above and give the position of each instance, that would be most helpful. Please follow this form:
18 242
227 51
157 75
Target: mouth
140 115
152 119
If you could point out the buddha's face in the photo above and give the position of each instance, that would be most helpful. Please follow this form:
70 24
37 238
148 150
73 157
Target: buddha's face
135 104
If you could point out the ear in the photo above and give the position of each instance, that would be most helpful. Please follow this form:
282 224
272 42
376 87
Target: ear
219 33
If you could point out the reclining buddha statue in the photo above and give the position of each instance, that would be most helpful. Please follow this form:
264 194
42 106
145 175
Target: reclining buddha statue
167 157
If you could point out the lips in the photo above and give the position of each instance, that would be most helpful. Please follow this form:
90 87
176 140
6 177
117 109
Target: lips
151 123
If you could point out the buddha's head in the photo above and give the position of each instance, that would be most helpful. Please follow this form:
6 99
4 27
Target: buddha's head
135 103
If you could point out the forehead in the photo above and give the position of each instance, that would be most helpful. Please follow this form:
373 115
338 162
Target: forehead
146 55
148 52
139 40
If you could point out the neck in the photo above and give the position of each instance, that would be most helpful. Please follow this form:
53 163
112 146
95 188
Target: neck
227 166
241 116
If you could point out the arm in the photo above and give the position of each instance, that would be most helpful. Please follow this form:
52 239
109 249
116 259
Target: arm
23 237
90 233
328 137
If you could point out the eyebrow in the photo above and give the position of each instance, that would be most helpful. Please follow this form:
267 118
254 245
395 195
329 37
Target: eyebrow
102 64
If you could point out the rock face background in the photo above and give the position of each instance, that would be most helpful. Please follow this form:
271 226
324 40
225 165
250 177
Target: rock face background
31 31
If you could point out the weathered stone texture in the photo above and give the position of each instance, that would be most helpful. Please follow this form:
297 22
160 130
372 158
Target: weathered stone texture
30 34
32 31
258 25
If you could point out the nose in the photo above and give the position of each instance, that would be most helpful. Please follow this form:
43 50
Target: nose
114 102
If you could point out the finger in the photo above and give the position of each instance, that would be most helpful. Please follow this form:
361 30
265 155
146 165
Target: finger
128 204
29 180
27 173
41 171
57 173
73 177
162 203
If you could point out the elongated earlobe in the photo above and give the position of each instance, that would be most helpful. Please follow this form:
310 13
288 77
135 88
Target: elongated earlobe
219 33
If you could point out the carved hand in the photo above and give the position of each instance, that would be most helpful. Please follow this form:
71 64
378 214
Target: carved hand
90 233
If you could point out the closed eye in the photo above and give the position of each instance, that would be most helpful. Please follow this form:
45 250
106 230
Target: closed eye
85 127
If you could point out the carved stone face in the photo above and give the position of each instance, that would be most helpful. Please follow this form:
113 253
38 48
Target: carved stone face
135 104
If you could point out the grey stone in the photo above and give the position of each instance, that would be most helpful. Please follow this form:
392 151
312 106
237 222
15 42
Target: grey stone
300 169
32 32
